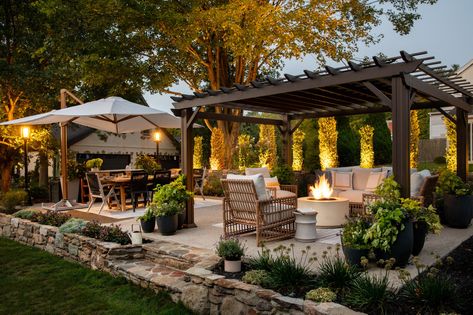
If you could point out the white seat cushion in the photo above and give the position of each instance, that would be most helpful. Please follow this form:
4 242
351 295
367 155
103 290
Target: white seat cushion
258 170
352 195
258 179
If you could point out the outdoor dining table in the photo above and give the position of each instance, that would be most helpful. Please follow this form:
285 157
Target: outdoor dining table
121 180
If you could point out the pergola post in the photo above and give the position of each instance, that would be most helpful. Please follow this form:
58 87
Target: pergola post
286 141
401 131
462 143
187 145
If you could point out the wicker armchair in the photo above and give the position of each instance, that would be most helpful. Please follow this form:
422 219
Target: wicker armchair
271 219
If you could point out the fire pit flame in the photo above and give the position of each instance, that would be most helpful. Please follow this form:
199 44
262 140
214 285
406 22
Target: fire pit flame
321 189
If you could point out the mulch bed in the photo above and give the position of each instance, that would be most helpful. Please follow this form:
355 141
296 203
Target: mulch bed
461 273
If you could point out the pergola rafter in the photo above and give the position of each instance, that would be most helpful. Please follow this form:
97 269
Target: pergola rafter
396 84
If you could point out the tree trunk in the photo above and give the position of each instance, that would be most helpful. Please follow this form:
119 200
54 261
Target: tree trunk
6 171
43 169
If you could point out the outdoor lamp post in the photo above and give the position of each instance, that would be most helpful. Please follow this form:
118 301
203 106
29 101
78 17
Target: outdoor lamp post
157 138
25 134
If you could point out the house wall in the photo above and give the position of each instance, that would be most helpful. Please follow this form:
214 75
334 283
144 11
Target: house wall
131 143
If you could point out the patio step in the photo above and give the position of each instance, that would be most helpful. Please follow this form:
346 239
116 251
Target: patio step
179 256
149 274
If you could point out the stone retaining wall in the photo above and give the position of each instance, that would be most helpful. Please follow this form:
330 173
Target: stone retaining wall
182 271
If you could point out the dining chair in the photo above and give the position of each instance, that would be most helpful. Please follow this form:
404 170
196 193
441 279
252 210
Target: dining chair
200 178
138 186
159 178
98 190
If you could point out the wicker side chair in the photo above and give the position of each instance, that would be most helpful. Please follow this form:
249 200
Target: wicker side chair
271 219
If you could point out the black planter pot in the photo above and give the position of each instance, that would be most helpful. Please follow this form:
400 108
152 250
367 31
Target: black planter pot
181 218
420 232
402 248
458 210
439 207
167 225
148 226
353 255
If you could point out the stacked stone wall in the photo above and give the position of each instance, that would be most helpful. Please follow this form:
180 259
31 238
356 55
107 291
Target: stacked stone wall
182 271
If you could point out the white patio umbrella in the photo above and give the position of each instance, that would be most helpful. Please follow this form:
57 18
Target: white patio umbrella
113 114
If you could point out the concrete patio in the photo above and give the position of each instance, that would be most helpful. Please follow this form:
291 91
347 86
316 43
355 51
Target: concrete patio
209 218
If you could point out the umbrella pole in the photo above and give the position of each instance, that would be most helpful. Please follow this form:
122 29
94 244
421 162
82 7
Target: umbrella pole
65 203
65 186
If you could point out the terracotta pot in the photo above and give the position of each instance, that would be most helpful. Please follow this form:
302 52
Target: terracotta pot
232 265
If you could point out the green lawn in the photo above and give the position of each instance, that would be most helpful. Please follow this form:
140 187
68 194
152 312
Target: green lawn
35 282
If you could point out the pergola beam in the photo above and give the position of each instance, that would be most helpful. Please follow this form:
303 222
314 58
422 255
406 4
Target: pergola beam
243 119
306 84
435 92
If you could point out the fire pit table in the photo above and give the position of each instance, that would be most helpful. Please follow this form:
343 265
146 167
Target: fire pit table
331 212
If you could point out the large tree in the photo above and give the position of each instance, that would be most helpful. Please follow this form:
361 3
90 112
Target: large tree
27 81
211 44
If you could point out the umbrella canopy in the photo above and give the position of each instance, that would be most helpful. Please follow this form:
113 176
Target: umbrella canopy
113 114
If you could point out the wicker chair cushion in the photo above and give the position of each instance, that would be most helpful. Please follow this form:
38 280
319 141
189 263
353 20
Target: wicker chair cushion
258 170
258 179
284 194
274 214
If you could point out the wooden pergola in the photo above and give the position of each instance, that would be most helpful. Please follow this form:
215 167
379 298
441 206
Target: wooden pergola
397 85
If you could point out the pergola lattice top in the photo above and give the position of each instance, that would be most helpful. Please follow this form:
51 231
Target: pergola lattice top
353 89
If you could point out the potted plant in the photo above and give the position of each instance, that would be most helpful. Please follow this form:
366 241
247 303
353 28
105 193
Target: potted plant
94 164
425 220
458 199
173 192
354 245
75 171
231 250
391 235
166 216
147 163
148 220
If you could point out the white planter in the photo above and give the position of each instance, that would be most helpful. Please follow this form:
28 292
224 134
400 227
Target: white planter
232 265
73 187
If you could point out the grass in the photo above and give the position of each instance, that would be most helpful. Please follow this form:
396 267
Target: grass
35 282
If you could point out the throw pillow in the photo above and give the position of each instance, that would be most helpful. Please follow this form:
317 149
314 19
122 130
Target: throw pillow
374 179
272 182
342 180
258 170
259 184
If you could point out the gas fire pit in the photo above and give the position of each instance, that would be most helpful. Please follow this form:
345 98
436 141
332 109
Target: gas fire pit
331 211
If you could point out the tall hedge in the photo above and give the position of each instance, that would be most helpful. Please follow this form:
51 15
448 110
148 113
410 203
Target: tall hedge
311 145
348 143
382 138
